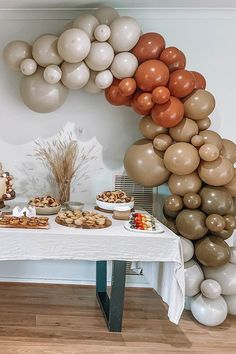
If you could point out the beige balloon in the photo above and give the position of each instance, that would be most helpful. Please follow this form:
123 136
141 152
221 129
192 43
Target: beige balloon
15 52
231 187
28 66
228 150
106 15
87 23
124 65
192 200
100 56
91 86
162 142
149 129
40 96
209 152
216 173
197 141
52 74
73 45
45 50
181 185
173 203
74 76
184 131
199 104
211 137
204 123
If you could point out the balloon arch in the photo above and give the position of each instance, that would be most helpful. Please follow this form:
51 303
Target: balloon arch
105 51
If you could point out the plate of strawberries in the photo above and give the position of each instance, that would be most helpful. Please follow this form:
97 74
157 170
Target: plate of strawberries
143 223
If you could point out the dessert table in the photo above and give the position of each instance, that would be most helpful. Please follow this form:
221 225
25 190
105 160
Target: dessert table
114 243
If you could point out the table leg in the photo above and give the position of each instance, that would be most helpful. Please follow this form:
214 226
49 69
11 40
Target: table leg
112 308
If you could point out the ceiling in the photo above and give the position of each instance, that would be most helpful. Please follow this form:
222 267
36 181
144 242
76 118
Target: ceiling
42 4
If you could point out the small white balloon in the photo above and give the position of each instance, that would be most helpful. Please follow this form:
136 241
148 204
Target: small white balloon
193 277
106 15
52 74
87 23
209 312
74 76
28 66
100 56
104 79
232 255
187 248
211 288
102 33
124 65
125 33
231 303
91 86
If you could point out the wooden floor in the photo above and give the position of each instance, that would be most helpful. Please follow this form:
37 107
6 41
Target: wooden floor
56 319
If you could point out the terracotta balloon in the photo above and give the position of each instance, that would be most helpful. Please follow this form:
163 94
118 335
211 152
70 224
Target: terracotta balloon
149 129
181 158
127 86
200 81
144 101
150 74
204 123
174 203
144 164
215 200
191 224
212 251
231 187
135 104
162 142
181 83
192 200
199 104
216 173
215 223
209 152
184 184
211 137
228 150
224 234
161 94
197 141
149 46
173 58
230 222
184 131
168 114
113 95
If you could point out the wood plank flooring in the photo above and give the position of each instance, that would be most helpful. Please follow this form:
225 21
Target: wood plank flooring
65 319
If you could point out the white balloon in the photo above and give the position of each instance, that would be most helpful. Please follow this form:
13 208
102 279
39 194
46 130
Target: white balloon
106 15
45 50
102 33
211 288
232 255
124 65
193 277
74 76
28 66
225 275
73 45
231 303
52 74
187 248
15 52
209 312
104 79
91 87
67 26
87 23
100 56
125 33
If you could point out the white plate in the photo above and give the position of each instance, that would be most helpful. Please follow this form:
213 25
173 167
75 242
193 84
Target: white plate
158 230
111 206
47 210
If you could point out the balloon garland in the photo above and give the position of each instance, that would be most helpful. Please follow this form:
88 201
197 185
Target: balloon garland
105 51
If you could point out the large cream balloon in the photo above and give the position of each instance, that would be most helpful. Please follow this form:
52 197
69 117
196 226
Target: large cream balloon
231 304
193 277
102 33
15 52
225 275
91 86
100 56
181 158
124 65
187 248
87 23
52 74
75 76
45 50
125 33
181 185
209 312
73 45
40 96
104 79
210 288
106 15
28 66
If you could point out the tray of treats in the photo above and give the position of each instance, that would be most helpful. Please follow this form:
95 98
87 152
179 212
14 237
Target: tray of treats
46 205
83 219
143 223
108 200
23 222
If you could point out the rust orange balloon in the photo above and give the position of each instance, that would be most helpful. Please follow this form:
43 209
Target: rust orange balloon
160 94
173 58
200 81
127 86
181 83
144 101
136 105
113 95
149 46
168 114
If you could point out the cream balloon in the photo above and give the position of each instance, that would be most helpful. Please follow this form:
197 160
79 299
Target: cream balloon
209 312
87 23
125 33
187 248
187 303
52 74
193 277
210 288
232 255
104 79
124 65
74 76
100 56
225 275
45 50
40 96
15 52
231 304
28 66
91 86
106 15
102 33
73 45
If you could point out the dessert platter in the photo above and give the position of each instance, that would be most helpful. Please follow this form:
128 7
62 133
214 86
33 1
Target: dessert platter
83 219
23 222
46 205
143 223
108 200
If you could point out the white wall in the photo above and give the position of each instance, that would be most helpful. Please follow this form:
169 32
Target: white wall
207 39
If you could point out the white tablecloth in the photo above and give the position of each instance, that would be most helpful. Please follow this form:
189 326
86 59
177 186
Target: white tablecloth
113 243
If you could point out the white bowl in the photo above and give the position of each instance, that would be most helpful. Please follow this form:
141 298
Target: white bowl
73 206
112 206
47 210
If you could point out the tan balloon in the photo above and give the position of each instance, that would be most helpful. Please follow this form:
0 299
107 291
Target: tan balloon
191 224
212 251
231 187
192 200
149 129
230 222
197 141
91 86
181 158
216 200
199 104
209 152
144 165
162 142
173 203
75 76
87 23
73 45
40 96
224 234
228 150
216 173
232 209
211 137
100 56
215 223
15 52
184 131
181 185
204 123
171 225
28 66
45 50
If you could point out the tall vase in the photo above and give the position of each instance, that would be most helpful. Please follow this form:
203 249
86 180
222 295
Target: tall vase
64 191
